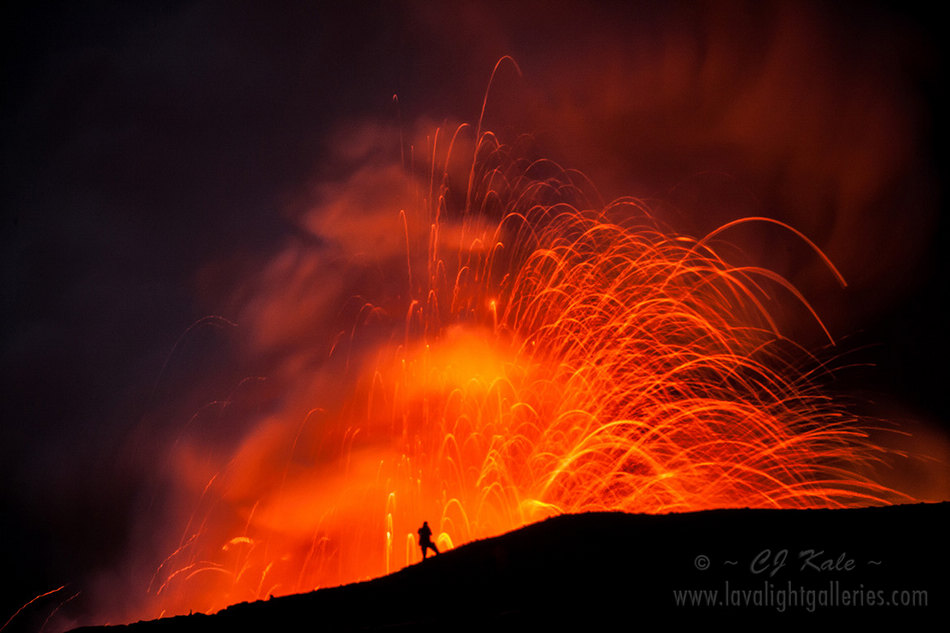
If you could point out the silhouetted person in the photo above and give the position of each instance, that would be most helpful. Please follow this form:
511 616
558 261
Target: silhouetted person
425 540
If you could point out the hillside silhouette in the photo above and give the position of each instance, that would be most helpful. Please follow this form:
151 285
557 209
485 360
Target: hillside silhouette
808 567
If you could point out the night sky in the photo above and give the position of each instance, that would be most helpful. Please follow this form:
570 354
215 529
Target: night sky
156 159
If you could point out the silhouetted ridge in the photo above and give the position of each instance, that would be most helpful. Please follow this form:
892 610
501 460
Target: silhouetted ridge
601 568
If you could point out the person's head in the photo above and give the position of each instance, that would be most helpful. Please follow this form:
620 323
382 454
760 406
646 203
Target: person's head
425 523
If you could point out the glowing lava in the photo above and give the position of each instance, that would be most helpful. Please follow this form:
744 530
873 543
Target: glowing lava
549 356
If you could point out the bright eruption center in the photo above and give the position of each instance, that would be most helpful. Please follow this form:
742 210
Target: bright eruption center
547 358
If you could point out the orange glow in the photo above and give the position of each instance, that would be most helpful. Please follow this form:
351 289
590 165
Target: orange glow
551 355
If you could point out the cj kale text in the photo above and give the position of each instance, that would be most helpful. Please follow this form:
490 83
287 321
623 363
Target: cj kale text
767 591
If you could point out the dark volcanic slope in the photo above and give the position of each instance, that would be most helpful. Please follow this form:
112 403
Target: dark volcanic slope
813 567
